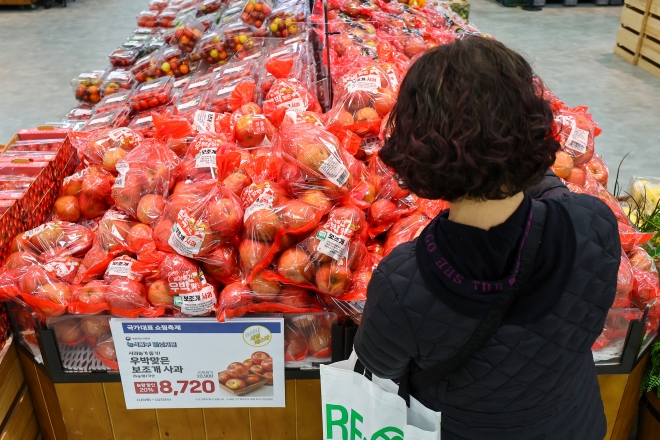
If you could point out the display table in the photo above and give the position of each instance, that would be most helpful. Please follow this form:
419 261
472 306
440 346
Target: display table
97 410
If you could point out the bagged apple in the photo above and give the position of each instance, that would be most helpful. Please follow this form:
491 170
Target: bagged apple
288 95
54 240
63 267
114 233
128 298
597 168
223 264
645 276
43 292
316 330
84 195
105 147
237 299
68 330
94 328
89 299
577 131
251 128
367 95
199 163
314 160
105 352
229 97
404 230
146 176
93 265
179 284
195 224
624 284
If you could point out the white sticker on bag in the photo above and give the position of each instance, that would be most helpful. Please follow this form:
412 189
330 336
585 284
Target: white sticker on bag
334 170
143 120
121 268
333 245
102 120
182 82
204 121
151 86
296 105
196 303
197 84
120 180
120 75
189 104
206 158
234 69
365 82
117 99
81 112
62 268
578 139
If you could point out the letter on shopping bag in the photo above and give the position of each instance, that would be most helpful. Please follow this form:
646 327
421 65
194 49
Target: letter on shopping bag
355 433
341 422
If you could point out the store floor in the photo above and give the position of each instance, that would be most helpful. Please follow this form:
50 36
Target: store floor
570 48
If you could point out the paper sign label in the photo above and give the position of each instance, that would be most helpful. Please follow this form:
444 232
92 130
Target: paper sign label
122 268
102 120
182 82
206 158
117 99
197 84
364 82
204 121
334 170
151 86
333 245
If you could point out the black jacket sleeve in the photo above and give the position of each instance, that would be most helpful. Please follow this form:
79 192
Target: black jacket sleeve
384 342
550 187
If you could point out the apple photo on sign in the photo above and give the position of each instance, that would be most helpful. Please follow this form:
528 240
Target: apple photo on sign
252 376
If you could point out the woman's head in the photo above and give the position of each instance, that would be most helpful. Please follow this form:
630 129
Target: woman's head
468 124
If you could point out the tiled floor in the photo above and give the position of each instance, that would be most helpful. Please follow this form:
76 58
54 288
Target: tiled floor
571 49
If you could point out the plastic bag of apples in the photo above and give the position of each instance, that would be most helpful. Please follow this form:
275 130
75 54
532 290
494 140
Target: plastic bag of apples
308 338
85 195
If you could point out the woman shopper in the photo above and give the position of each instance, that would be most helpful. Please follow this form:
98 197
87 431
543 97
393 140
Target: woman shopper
490 314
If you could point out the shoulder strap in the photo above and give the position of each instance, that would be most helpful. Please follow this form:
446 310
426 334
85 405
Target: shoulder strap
492 319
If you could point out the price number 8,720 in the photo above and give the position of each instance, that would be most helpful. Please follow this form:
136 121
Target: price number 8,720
207 386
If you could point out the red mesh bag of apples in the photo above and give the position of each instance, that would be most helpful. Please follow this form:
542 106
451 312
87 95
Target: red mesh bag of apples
645 284
84 195
308 337
105 148
199 218
54 240
178 284
200 162
289 95
366 95
94 263
146 175
105 352
42 291
118 233
576 133
68 330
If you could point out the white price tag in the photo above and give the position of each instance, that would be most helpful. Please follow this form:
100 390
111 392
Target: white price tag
264 201
121 98
189 104
204 121
197 84
196 303
151 86
333 245
364 82
144 120
206 158
121 268
578 139
122 167
182 82
183 239
296 105
334 170
102 120
82 112
234 69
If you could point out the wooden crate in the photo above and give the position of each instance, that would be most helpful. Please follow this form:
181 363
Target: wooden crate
631 31
649 58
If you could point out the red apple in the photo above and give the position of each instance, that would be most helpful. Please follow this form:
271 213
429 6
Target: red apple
139 232
294 296
111 157
68 331
295 264
159 294
92 293
150 208
312 154
236 182
67 209
257 369
105 348
90 207
577 176
248 363
21 259
222 263
333 279
224 217
252 253
259 356
296 214
252 379
383 211
57 293
269 378
95 327
162 235
97 184
235 295
237 370
265 290
235 384
320 339
267 364
384 101
250 131
262 225
223 377
317 198
366 114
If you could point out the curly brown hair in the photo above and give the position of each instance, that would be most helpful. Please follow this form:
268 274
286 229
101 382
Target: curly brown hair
468 124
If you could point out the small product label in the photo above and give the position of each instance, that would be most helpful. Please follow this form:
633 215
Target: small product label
81 112
279 53
77 176
206 158
122 169
369 145
132 43
121 268
358 306
151 86
333 245
144 120
225 90
119 75
578 139
204 121
141 37
32 232
204 82
62 268
182 82
364 82
102 120
254 55
196 303
234 69
183 238
191 103
120 98
334 170
259 126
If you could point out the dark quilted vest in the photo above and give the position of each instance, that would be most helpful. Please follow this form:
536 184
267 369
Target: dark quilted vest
530 381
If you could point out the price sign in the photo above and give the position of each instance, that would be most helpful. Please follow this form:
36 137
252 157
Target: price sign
200 363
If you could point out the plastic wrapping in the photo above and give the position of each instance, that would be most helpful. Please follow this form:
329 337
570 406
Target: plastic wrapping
286 20
152 94
211 49
102 147
43 292
116 81
236 36
577 131
94 328
308 338
188 32
151 168
147 19
68 330
105 352
113 101
86 194
86 86
118 117
404 230
199 219
229 97
121 57
54 240
289 95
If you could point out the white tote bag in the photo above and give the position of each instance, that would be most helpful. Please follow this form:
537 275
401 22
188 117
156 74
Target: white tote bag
355 407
